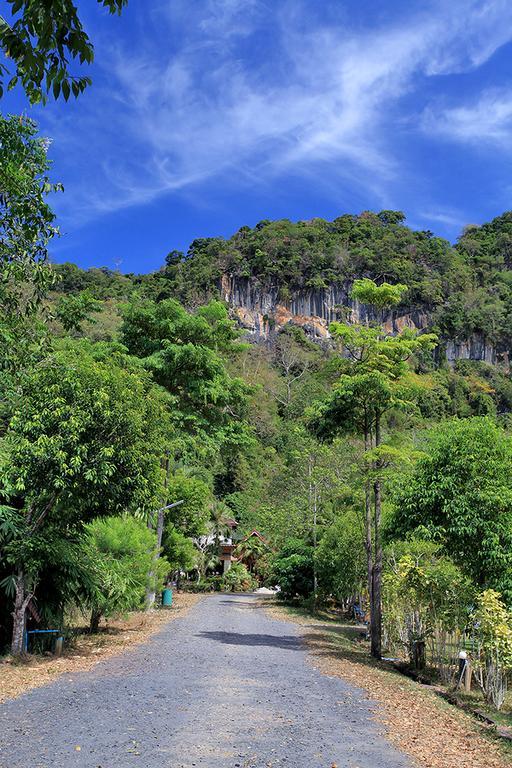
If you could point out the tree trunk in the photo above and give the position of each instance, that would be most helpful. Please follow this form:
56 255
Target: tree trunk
150 592
376 611
94 624
368 529
419 658
21 600
315 576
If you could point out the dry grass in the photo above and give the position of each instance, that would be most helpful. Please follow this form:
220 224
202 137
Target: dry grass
18 676
434 733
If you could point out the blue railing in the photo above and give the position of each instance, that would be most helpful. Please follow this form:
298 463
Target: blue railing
38 632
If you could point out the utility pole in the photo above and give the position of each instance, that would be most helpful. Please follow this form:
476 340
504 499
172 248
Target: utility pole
159 513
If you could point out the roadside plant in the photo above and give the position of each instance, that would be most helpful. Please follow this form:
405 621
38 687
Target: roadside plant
460 495
293 569
426 601
82 440
492 628
358 404
119 551
238 579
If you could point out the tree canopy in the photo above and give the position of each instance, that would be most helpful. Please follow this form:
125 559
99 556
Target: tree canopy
42 40
460 495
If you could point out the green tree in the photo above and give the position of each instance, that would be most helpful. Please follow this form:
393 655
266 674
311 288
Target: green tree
380 296
293 569
340 558
26 228
426 600
83 438
72 311
238 579
492 629
119 551
358 404
40 40
460 494
183 352
179 551
191 517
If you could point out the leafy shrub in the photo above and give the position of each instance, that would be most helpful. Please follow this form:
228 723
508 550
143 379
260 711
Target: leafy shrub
293 570
120 553
341 559
238 579
425 600
492 627
209 584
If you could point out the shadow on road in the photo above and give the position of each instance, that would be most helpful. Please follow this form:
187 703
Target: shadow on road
289 642
246 604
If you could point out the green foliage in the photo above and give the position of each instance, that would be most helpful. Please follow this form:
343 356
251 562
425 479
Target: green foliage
119 553
493 624
179 550
191 517
184 352
40 40
238 579
100 282
460 494
426 597
73 310
82 439
340 558
381 296
492 627
293 569
355 403
26 220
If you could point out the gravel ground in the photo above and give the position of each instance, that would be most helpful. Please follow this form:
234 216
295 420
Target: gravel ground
225 685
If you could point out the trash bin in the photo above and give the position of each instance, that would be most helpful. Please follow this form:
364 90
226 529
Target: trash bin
167 598
59 644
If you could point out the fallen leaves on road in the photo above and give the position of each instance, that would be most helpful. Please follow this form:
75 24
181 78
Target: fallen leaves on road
18 676
417 721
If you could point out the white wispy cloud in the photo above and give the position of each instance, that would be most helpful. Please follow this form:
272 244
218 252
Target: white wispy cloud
486 120
320 98
452 219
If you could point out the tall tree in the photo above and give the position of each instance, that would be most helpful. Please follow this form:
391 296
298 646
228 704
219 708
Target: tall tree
359 402
82 438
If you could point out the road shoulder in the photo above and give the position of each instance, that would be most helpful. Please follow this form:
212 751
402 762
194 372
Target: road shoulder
416 720
120 635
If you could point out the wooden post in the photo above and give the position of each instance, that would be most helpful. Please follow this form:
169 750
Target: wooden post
468 673
465 672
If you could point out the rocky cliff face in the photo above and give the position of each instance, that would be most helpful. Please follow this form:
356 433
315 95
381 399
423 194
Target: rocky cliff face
263 312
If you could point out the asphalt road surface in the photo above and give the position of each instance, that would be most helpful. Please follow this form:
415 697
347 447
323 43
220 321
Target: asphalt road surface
223 685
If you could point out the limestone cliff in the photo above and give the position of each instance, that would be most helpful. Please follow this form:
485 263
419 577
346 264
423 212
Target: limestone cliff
263 311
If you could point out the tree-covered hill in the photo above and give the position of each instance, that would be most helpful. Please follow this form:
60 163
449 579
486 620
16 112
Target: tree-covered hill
466 289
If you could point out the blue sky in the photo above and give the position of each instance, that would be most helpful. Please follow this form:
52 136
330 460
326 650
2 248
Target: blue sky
205 115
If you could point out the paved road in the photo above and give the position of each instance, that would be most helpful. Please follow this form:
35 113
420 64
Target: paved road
224 685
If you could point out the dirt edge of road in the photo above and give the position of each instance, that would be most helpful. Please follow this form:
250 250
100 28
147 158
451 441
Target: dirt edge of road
19 676
416 720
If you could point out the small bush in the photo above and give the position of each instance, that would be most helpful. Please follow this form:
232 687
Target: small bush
293 570
238 579
209 584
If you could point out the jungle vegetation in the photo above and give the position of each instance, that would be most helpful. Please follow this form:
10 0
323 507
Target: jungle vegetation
375 475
